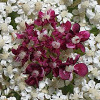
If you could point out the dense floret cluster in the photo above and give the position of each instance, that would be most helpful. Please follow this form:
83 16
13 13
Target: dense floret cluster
53 68
42 45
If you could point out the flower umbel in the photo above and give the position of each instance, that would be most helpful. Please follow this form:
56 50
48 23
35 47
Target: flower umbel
41 48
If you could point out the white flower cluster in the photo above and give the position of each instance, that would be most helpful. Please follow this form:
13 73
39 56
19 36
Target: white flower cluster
88 9
92 57
11 77
4 98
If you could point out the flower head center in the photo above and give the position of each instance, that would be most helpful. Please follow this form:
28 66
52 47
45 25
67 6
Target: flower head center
46 17
35 73
61 29
75 39
38 54
22 54
69 68
54 64
40 36
55 44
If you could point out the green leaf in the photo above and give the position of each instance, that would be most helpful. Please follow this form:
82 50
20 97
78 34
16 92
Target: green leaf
1 50
87 20
67 89
50 75
15 94
95 31
70 9
78 51
13 15
6 78
1 85
9 49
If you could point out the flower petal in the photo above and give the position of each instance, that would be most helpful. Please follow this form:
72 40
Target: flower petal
68 36
80 46
40 14
64 75
38 22
30 81
70 45
76 58
67 26
15 52
51 12
76 28
56 72
84 35
81 69
29 69
20 36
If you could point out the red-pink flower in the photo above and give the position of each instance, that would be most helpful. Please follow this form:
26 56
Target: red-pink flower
64 28
42 44
65 72
66 69
75 38
64 75
36 74
46 18
38 54
28 34
21 54
54 64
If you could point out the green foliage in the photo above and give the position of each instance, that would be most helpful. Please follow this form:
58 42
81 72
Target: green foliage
67 89
50 75
96 80
70 9
87 20
13 15
3 0
6 78
1 50
78 51
74 5
1 85
15 94
95 31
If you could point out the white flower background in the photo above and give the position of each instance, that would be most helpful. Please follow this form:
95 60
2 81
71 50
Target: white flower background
13 15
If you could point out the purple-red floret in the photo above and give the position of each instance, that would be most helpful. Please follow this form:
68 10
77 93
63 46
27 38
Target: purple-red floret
76 37
36 74
42 44
21 54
